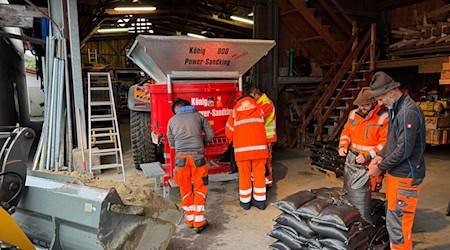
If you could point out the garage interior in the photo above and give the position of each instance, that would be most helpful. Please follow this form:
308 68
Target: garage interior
55 53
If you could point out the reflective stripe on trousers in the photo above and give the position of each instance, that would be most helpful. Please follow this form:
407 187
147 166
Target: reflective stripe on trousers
193 201
246 169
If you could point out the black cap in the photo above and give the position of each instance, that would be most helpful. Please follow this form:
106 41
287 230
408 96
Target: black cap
179 101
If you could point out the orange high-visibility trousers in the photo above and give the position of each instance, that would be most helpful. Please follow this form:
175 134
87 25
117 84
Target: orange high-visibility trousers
246 169
193 199
269 177
402 199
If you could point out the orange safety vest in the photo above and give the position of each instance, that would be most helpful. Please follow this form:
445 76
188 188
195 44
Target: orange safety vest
270 120
245 128
365 135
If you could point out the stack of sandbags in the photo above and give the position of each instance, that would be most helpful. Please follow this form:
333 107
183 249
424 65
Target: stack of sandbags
325 155
323 219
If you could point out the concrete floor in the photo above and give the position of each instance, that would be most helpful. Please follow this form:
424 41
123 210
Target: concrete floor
231 227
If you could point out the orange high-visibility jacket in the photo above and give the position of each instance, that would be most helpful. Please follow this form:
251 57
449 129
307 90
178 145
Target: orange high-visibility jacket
245 128
270 120
365 135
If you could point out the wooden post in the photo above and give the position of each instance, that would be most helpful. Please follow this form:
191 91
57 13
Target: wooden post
373 31
355 43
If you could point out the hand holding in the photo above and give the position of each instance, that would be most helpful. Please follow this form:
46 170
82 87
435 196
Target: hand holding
360 159
374 171
342 151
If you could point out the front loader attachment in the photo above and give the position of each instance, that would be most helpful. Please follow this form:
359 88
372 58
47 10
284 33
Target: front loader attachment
59 212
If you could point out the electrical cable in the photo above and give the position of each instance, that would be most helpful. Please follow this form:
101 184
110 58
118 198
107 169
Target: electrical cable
38 9
21 184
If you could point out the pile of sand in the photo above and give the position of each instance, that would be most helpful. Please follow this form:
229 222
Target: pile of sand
137 190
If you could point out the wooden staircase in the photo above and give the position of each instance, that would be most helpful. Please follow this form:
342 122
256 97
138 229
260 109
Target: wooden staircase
316 36
326 111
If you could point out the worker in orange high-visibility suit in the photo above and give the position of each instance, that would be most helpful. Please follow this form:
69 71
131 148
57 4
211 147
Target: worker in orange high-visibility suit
401 158
270 124
365 132
245 128
184 133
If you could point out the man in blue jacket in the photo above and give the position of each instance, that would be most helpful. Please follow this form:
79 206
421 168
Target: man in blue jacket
401 158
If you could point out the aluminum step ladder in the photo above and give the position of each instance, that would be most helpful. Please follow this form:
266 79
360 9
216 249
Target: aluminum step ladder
103 126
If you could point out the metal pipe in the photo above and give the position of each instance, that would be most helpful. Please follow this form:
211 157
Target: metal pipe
59 111
37 155
69 112
51 133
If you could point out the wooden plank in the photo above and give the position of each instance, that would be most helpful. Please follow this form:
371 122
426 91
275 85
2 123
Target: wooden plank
83 42
411 62
7 10
441 10
316 25
430 68
24 38
345 28
16 21
342 11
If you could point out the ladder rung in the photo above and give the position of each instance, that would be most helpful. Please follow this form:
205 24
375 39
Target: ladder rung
104 134
102 103
109 151
97 118
102 142
342 107
102 129
343 98
106 166
359 71
348 89
99 88
354 80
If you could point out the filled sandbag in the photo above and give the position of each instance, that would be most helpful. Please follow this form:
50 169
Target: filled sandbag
332 195
312 208
290 203
378 214
359 242
378 236
294 222
327 231
287 238
279 245
313 244
338 216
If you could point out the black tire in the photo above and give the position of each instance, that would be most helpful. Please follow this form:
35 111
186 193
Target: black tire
448 209
144 151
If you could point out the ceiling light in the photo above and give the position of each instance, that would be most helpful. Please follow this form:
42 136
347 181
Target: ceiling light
240 19
204 32
112 30
196 36
135 8
250 14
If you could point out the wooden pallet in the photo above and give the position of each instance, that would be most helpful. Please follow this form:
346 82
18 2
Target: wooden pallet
330 174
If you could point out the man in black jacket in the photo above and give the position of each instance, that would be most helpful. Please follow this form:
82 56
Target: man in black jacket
401 158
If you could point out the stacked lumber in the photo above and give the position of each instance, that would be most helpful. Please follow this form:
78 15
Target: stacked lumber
445 73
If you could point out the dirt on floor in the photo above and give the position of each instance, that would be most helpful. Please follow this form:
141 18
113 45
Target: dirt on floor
138 191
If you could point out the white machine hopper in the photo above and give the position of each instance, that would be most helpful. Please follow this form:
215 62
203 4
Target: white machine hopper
159 56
